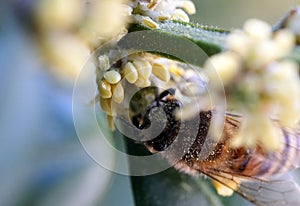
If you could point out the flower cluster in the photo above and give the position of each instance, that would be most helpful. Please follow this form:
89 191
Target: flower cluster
149 12
140 69
258 82
82 26
67 30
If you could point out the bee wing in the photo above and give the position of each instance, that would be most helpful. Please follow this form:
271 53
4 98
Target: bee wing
281 190
274 192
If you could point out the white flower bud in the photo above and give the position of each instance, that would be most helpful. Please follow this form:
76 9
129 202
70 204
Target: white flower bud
285 42
239 42
226 65
257 29
261 55
179 14
188 6
147 21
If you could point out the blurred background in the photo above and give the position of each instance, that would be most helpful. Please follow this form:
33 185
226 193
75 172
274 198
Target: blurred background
42 49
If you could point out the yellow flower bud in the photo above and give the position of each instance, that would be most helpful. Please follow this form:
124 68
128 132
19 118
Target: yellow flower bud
118 94
143 67
105 89
130 72
161 71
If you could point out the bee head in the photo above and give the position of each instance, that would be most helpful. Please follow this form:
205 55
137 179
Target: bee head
148 100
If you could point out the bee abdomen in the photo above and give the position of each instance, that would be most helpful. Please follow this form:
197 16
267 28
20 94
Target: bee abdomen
288 158
260 163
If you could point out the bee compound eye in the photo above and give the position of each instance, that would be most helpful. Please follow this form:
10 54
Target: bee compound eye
153 115
148 104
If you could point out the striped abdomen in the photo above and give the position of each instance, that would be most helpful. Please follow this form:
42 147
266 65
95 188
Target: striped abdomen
255 162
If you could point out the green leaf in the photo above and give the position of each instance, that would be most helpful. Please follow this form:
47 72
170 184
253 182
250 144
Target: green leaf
210 39
172 188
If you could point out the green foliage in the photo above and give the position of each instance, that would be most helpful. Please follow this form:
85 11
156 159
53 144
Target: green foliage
210 39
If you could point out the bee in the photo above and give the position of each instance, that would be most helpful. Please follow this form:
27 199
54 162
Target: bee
258 175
